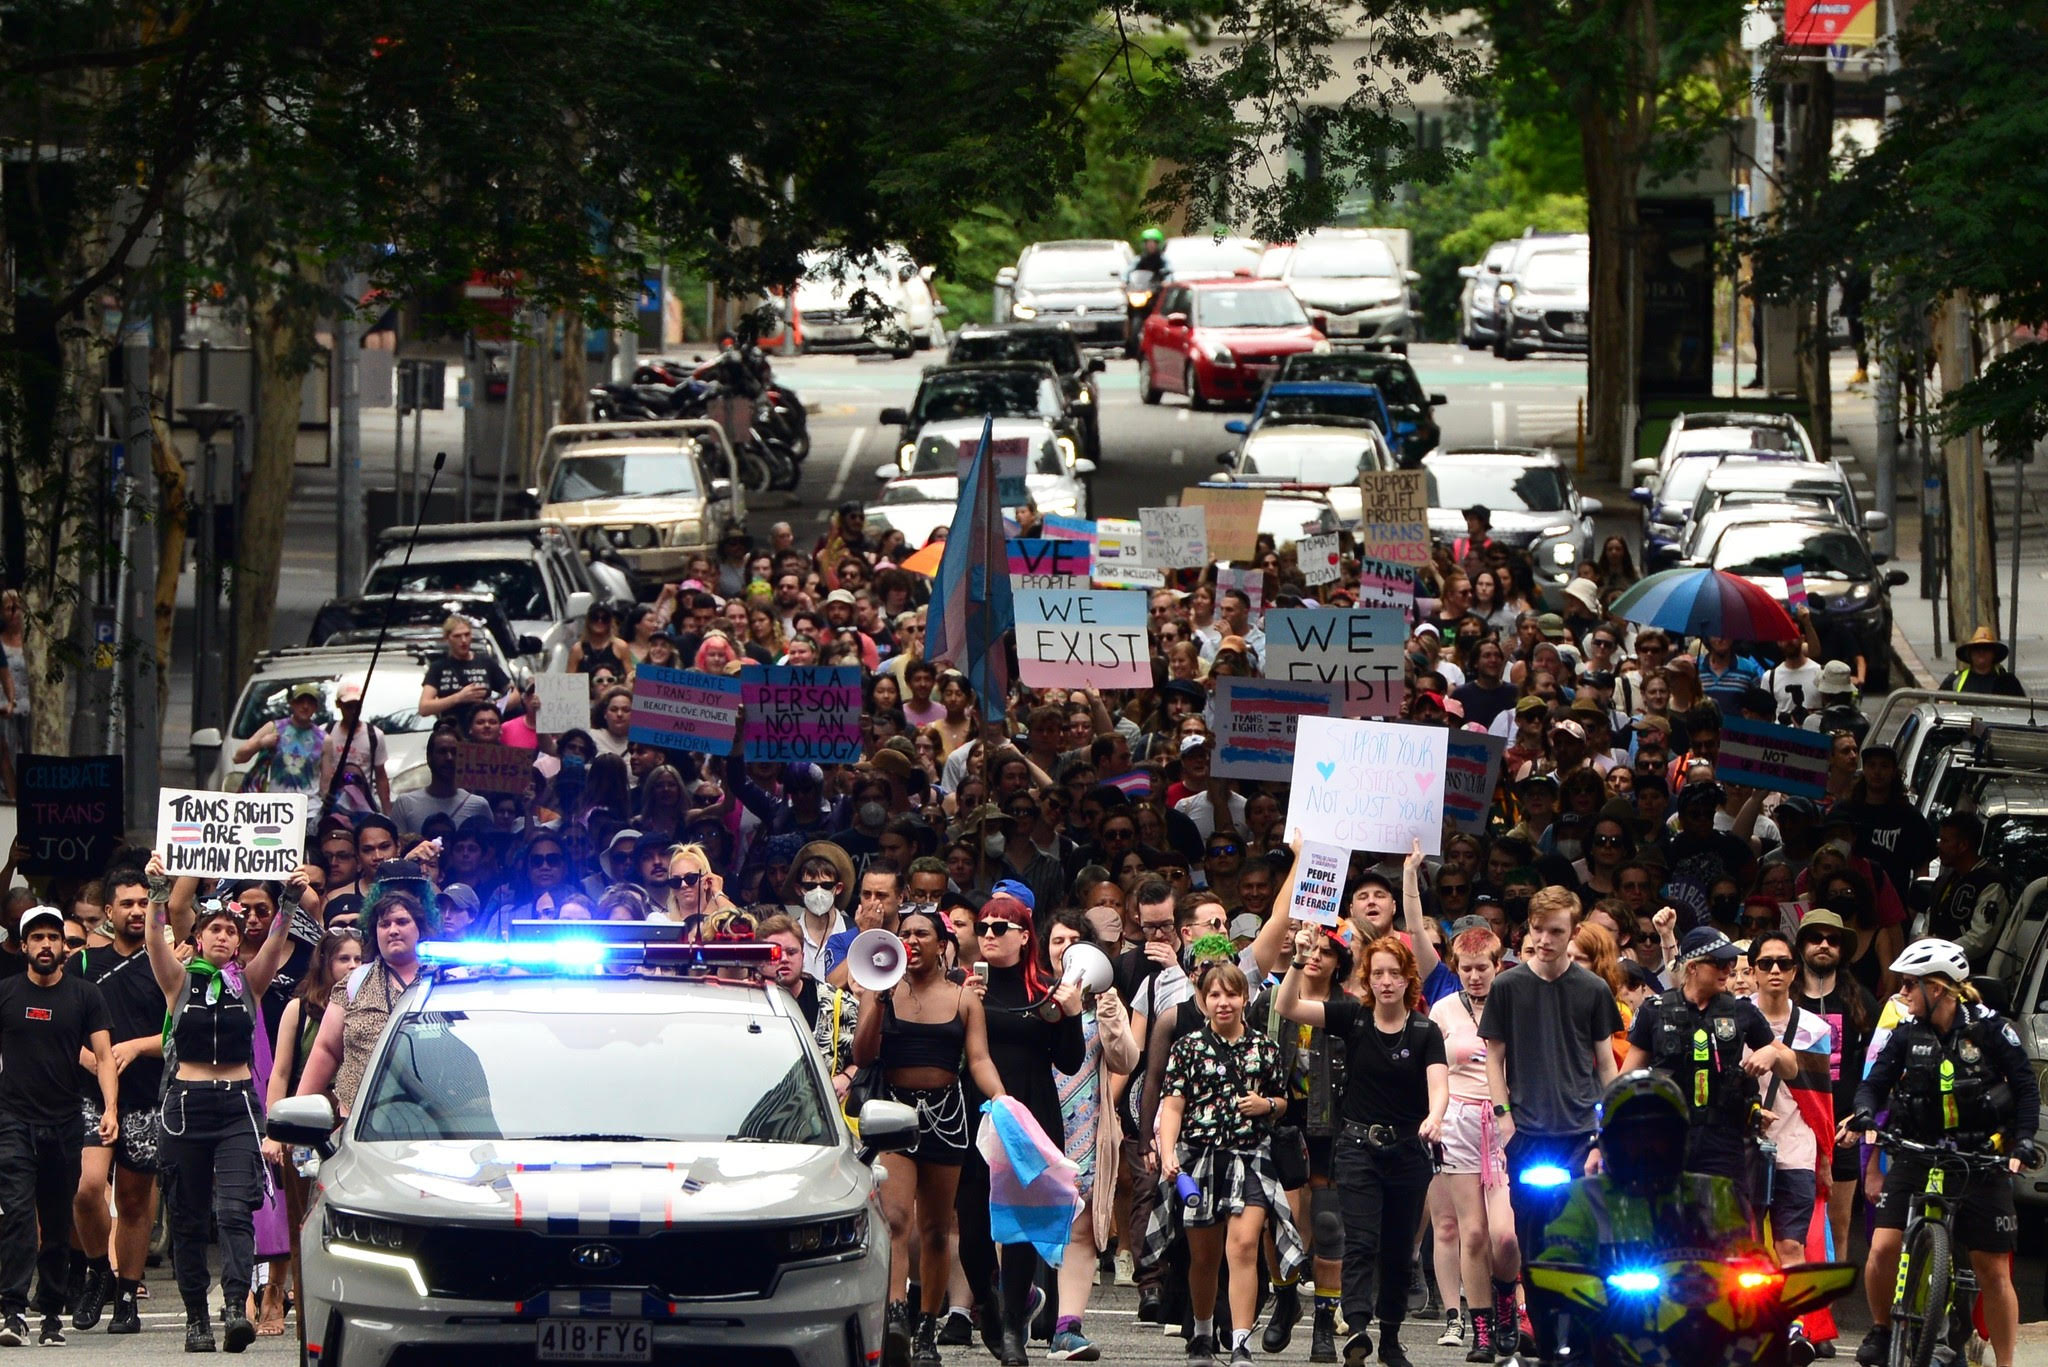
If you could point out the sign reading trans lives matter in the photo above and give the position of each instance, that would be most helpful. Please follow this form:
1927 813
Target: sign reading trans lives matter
1758 754
1369 785
230 835
796 712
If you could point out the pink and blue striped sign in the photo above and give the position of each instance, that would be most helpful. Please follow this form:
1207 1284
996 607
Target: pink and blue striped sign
1256 720
797 712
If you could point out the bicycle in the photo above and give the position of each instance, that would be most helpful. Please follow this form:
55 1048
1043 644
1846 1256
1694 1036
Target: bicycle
1933 1283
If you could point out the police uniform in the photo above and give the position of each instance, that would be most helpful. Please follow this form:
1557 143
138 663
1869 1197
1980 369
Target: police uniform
1701 1049
1965 1085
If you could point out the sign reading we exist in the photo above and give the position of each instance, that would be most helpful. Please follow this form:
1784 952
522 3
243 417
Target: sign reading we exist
1068 639
1359 648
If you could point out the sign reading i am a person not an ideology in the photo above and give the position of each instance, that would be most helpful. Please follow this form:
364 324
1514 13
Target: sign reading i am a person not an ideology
1785 759
230 835
800 712
1319 887
684 709
1082 640
1369 785
1394 516
70 812
1359 648
1256 720
1049 563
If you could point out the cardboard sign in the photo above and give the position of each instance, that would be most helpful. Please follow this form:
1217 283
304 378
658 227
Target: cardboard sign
1175 538
1319 886
1067 639
1250 583
1255 724
70 812
491 768
1232 517
1394 516
1785 759
1471 773
1320 558
1795 588
685 709
1056 528
230 835
1384 585
564 703
1120 556
1012 460
1358 647
1369 785
798 712
1050 563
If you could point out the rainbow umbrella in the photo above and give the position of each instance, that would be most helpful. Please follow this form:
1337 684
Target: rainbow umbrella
1706 602
925 560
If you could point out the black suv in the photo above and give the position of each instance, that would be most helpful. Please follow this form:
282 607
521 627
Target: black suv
1058 347
1006 389
1412 407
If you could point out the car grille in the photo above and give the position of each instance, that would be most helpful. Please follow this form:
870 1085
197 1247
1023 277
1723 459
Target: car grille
496 1265
829 317
665 1355
1565 320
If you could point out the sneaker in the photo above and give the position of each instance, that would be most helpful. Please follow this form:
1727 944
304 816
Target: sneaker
1454 1331
1201 1351
238 1333
13 1332
957 1331
1072 1347
1875 1349
1798 1348
1241 1356
198 1334
1824 1349
1126 1268
92 1297
1358 1349
53 1332
126 1319
1418 1290
1391 1353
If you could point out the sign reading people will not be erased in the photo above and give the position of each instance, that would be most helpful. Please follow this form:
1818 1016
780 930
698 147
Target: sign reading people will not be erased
230 835
803 712
1319 886
1359 647
684 709
1369 785
1082 640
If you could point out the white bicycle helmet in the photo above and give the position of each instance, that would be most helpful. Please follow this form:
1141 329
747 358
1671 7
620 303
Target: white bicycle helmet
1925 958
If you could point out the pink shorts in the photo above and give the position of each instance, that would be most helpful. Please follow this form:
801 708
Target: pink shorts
1468 1130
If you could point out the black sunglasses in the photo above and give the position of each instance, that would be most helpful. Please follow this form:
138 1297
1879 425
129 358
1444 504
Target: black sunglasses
545 860
995 927
1822 937
1607 840
829 884
1224 849
1774 964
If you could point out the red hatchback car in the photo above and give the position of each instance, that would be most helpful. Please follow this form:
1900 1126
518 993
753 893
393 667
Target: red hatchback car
1220 341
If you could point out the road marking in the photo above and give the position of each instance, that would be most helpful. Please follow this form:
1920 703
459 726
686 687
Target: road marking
1498 384
1181 414
1500 423
853 440
1179 454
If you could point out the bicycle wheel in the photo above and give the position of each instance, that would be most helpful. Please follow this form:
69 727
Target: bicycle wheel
1920 1313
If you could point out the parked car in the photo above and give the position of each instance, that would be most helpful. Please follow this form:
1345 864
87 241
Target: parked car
1353 286
391 703
968 393
1535 505
1545 305
1059 346
1415 432
1213 258
1314 434
1920 724
883 300
1508 281
1079 283
644 484
1728 430
1221 341
1844 584
921 492
1667 496
1478 307
1740 480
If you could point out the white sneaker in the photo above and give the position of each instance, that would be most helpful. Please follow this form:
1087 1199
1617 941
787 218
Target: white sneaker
1126 1268
1454 1331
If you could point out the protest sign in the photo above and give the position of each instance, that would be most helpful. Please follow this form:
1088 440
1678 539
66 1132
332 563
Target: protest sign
1320 559
230 835
1360 648
797 712
1232 517
1369 785
1049 563
1785 759
1384 585
1068 639
492 768
1394 516
684 709
1471 772
1056 528
564 703
1175 538
1795 588
1120 556
69 810
1319 887
1255 724
1012 460
1250 583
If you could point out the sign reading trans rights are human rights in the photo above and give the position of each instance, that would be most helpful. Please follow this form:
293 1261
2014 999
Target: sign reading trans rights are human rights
230 835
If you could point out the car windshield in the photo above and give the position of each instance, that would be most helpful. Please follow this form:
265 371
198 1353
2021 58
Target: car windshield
391 704
1504 488
525 1075
1297 407
978 393
1392 376
1734 439
516 584
1056 349
1290 519
2018 844
1765 549
941 456
1556 273
1267 308
1193 258
633 474
1317 462
1687 476
1344 259
1045 270
934 490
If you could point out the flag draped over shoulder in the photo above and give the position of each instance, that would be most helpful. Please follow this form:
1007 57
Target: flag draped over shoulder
1034 1189
1812 1092
971 612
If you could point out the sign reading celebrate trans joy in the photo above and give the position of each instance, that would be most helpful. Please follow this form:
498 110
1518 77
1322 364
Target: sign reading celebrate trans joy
70 812
801 713
1369 785
684 709
230 835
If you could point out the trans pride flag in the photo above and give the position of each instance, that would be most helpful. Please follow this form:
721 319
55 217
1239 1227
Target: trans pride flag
971 611
1034 1190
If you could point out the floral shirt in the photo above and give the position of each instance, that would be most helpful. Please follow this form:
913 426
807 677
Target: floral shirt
1210 1073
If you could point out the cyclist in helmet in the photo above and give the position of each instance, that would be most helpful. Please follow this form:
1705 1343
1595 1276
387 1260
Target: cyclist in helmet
1957 1071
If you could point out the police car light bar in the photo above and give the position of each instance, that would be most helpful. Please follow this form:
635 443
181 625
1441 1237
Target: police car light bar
573 953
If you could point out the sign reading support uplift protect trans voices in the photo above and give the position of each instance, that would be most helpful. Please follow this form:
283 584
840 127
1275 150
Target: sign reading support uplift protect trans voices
1786 759
797 712
1369 785
230 835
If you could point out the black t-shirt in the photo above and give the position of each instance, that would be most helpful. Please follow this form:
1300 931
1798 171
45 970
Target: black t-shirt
1694 863
1554 1030
135 1010
449 675
41 1031
1388 1080
1892 835
1851 1042
1483 704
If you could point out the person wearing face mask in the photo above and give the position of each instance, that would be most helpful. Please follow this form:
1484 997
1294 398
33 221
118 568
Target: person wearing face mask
818 884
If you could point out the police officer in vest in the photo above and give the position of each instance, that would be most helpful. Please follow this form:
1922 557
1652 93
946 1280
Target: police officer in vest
1955 1071
1715 1046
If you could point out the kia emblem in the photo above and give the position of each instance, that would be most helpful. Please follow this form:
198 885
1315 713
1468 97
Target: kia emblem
596 1257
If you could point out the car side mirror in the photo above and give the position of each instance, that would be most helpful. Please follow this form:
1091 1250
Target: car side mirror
1084 466
1236 427
1880 557
721 489
895 417
1896 578
1642 469
1007 276
303 1120
1639 494
530 645
1668 517
1438 400
1874 521
925 273
889 471
885 1127
1096 365
206 738
1179 320
1227 459
1591 507
578 606
1468 272
1412 277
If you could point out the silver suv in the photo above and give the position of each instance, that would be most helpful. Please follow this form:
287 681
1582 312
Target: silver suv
556 1161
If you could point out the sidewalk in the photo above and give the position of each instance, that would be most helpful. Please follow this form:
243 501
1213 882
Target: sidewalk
1927 659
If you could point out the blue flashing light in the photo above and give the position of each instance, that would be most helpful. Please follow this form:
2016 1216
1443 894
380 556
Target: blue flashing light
564 955
1546 1175
1635 1281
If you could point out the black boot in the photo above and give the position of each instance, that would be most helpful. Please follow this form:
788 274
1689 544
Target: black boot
126 1319
92 1295
924 1344
1391 1353
896 1335
198 1332
1322 1339
1482 1336
236 1331
1286 1313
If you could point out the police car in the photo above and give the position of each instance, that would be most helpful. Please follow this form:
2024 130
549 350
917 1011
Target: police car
596 1149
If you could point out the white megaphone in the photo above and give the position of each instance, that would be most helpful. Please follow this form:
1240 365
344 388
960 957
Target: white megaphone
1088 966
875 960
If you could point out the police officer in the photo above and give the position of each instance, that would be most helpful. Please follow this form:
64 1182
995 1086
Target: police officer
1955 1071
1715 1046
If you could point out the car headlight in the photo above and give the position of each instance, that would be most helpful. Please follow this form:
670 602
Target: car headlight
1321 348
641 537
1564 553
1505 292
836 1238
1083 399
1023 310
905 452
1067 451
1559 529
1857 595
1220 354
1059 505
372 1242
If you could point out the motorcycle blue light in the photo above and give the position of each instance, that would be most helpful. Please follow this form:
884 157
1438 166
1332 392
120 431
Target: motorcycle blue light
1634 1282
1546 1175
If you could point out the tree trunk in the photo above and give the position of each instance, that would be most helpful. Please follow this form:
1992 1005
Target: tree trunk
58 472
170 503
1610 222
281 345
575 370
1813 149
1972 576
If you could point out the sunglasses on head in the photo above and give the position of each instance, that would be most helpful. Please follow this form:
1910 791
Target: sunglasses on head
995 927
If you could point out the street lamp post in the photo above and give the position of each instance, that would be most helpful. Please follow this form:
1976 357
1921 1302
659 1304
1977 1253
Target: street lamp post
207 420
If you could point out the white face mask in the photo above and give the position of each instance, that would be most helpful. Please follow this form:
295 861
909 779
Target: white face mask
994 844
818 901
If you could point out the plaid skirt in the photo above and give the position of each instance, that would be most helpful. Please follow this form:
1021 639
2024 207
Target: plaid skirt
1228 1179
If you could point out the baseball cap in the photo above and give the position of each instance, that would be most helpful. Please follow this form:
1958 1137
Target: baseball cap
1704 942
1010 887
1552 627
349 692
305 690
1428 629
1539 780
1245 926
1532 703
839 596
36 915
1196 742
1568 728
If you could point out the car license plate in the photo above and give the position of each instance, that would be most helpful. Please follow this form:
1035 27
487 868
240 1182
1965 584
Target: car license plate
594 1341
835 332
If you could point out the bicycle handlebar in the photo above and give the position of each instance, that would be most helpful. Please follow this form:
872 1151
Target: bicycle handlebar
1942 1149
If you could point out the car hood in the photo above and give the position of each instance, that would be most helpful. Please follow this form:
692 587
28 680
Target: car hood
1347 292
815 295
1070 292
1563 299
624 512
1512 528
1292 336
517 1183
967 431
